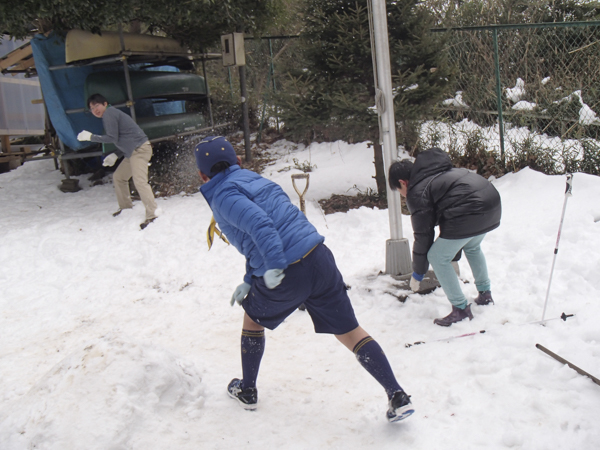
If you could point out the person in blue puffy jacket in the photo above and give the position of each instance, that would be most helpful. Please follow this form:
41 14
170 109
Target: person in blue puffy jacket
287 264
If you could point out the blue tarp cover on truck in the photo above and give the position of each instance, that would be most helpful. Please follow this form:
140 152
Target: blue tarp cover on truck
63 90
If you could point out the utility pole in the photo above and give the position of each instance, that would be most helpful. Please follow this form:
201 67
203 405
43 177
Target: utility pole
398 259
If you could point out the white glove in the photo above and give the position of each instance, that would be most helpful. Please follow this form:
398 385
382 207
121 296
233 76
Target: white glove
273 278
110 160
240 294
415 285
84 136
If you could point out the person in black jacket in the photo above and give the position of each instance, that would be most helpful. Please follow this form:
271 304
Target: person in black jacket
465 206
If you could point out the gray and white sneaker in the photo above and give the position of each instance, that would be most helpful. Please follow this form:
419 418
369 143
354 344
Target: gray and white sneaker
400 407
247 397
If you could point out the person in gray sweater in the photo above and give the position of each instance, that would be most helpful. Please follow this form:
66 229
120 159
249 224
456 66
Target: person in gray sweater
122 131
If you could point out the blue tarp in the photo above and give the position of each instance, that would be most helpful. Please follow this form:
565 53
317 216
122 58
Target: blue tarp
64 89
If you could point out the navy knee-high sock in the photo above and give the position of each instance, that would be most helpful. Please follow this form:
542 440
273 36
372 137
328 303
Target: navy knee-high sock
371 357
253 347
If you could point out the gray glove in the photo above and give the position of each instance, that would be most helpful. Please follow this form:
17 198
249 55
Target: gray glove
240 294
273 278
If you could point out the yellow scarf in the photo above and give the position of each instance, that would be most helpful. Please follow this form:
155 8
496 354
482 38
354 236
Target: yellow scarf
210 233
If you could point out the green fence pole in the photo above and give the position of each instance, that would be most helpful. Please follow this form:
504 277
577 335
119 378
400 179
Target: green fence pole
272 67
262 119
273 80
498 93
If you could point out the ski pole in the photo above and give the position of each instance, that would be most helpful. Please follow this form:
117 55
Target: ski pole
446 339
568 194
563 317
564 361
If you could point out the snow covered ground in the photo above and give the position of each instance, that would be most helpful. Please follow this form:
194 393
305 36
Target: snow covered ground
116 338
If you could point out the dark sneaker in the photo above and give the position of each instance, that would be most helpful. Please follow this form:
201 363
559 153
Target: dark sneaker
146 223
247 397
119 211
484 298
456 315
400 407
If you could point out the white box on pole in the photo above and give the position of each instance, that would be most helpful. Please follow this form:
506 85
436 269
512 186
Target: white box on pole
232 46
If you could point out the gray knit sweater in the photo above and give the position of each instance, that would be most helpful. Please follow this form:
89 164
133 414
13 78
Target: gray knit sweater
120 130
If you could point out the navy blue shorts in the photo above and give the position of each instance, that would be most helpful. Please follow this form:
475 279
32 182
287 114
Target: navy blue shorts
315 281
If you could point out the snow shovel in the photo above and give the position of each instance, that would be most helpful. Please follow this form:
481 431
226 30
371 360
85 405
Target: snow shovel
428 284
295 177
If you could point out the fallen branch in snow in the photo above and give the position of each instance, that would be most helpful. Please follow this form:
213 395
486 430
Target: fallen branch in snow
564 361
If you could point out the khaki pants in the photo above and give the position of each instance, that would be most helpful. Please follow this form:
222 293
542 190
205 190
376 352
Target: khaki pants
136 167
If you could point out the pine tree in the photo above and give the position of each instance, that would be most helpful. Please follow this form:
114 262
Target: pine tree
330 93
333 82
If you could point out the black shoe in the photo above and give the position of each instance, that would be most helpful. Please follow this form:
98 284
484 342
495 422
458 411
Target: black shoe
484 298
119 211
247 397
400 407
456 315
146 223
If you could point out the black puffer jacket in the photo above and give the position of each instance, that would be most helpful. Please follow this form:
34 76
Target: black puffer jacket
462 203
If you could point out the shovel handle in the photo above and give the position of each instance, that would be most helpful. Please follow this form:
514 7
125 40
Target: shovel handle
299 176
295 177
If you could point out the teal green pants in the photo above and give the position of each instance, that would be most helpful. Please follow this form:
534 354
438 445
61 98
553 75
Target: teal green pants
440 257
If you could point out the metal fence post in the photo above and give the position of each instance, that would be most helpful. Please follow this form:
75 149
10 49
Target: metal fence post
206 87
266 96
230 82
130 101
498 93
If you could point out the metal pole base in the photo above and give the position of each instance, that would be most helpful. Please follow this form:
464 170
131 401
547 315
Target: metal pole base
397 257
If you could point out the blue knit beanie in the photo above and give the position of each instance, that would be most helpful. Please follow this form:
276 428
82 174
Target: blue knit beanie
211 150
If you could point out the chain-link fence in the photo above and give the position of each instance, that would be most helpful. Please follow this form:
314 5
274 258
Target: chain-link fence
525 95
267 61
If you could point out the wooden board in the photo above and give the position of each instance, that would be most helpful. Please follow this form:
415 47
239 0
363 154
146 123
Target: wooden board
16 56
